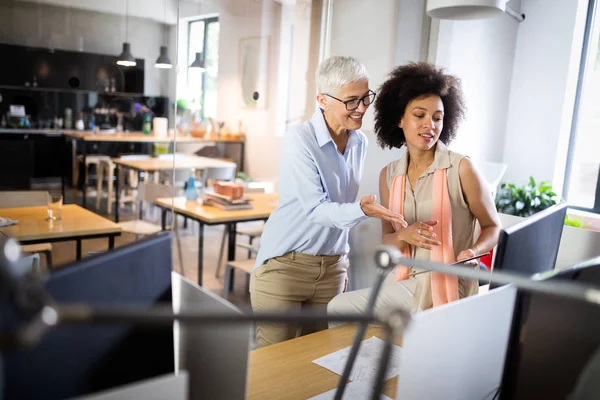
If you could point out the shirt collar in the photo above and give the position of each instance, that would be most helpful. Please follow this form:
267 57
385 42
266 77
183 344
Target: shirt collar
322 132
441 160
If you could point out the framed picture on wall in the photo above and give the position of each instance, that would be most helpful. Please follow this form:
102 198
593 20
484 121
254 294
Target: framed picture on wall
254 61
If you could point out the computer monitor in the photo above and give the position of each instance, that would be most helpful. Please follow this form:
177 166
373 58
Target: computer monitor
215 355
553 340
457 351
531 245
73 361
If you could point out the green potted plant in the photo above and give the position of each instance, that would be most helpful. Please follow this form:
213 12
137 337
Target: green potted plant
529 199
526 200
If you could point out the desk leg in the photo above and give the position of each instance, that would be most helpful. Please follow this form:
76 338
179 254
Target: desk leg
111 242
231 236
78 254
200 252
83 180
163 219
141 205
242 155
62 186
117 190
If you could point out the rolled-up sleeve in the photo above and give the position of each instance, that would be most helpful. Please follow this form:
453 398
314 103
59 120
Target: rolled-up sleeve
315 202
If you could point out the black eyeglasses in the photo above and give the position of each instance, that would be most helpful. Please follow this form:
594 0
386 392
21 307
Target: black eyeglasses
353 104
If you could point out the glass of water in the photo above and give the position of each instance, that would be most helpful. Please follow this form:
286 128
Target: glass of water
54 206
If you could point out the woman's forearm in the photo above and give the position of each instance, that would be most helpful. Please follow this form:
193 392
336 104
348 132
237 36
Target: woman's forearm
393 239
487 240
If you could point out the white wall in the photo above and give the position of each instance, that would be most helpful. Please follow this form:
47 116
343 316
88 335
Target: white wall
287 26
376 48
481 54
35 25
542 90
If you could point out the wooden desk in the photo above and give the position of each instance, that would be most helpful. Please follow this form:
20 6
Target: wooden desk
77 224
264 204
139 137
155 164
285 371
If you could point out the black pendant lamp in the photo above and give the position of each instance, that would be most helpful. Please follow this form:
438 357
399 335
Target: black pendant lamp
163 60
198 62
126 59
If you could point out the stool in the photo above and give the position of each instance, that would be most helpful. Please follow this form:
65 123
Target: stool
92 159
107 167
252 232
242 265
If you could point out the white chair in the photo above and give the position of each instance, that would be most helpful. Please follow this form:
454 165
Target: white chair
29 198
177 177
148 192
245 266
252 232
493 173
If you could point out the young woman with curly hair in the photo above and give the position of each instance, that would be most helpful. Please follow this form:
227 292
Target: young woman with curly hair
445 201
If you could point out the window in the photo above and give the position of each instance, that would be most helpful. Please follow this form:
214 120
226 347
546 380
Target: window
582 177
203 38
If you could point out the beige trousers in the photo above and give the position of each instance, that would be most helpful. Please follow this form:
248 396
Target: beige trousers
392 295
292 282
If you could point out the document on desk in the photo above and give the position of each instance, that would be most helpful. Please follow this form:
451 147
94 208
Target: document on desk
354 391
365 366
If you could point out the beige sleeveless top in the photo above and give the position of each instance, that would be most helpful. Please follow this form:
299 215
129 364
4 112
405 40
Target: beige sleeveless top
417 207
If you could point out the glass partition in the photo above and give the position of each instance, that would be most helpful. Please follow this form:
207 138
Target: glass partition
128 120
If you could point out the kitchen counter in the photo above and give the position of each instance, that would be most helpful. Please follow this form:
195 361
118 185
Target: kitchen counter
112 136
30 131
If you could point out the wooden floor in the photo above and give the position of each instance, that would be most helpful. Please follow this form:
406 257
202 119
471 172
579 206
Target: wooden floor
64 252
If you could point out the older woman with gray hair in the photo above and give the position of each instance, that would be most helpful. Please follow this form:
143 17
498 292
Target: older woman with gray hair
302 260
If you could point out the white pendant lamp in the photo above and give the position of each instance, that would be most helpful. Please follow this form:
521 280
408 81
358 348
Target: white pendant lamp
465 9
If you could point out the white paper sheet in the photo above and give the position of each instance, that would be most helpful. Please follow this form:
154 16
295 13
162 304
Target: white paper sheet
354 391
366 363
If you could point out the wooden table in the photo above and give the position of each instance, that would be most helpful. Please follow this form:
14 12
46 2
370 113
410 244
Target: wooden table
264 205
154 164
139 137
285 371
77 224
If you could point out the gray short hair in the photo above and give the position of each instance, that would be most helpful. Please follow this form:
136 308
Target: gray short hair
337 71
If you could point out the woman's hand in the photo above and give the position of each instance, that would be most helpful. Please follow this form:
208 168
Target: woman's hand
420 234
465 255
372 209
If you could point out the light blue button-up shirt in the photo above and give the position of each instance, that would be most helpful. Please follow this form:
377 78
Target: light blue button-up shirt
317 193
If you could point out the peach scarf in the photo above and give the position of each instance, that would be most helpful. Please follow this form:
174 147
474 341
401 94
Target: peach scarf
444 288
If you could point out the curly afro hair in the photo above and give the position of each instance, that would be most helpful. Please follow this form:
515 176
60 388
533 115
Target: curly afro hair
406 83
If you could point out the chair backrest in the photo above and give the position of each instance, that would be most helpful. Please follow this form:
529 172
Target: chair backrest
493 173
226 173
170 156
134 157
29 263
208 151
24 198
151 191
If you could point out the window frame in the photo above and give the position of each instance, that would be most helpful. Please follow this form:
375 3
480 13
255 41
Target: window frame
207 22
583 65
